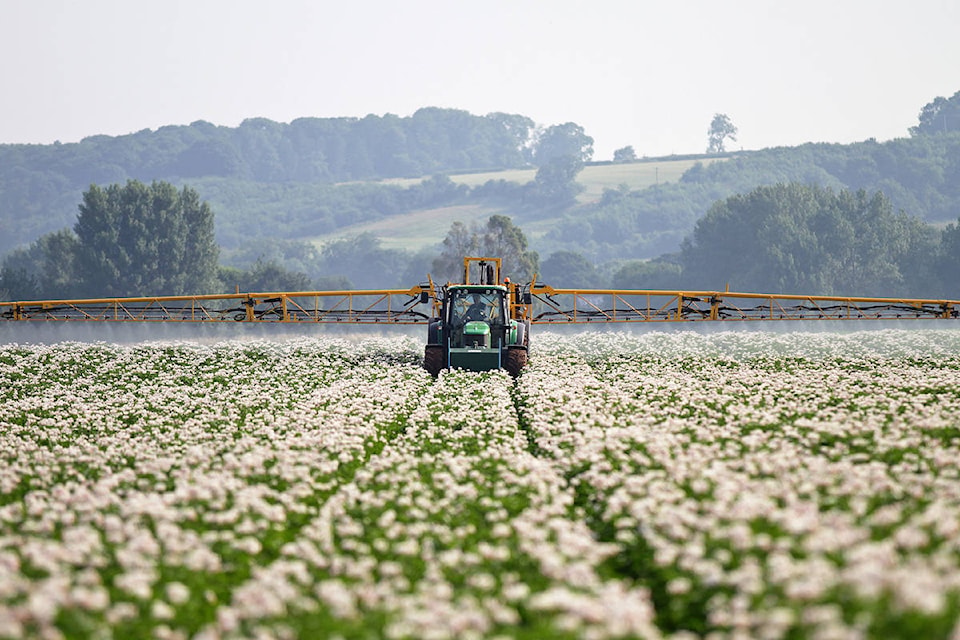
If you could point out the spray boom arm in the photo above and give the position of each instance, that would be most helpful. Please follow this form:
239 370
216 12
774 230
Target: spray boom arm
533 302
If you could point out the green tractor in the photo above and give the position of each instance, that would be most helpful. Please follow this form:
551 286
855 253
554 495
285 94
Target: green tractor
479 326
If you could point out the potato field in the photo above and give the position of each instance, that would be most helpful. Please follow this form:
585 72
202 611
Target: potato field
626 485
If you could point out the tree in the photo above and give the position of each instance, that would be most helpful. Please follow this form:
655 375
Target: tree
17 283
145 240
461 241
948 267
556 182
58 273
436 190
43 270
505 240
294 255
363 262
940 116
265 276
647 274
563 140
519 130
208 158
625 154
721 128
570 270
794 238
499 238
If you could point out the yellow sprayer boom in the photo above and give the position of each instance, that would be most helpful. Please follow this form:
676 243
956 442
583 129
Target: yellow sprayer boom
540 304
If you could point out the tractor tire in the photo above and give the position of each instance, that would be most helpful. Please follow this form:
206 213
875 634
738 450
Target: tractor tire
515 360
433 359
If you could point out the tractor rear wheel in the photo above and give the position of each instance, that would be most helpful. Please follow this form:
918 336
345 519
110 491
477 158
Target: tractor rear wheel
515 360
433 359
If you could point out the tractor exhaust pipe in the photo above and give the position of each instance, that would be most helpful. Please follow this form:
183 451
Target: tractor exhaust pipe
486 274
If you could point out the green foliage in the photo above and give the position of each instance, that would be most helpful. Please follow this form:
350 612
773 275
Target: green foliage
506 240
45 269
294 210
264 276
144 240
364 263
498 238
915 173
625 154
626 224
16 283
556 182
948 266
942 115
293 254
310 178
458 139
570 270
797 238
918 175
563 140
499 190
647 274
721 128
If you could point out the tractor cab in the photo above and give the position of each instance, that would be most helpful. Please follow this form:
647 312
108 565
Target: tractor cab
477 315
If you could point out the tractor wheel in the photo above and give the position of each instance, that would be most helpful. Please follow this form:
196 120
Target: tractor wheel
433 359
515 361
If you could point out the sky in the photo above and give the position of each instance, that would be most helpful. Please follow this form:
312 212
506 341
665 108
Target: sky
631 72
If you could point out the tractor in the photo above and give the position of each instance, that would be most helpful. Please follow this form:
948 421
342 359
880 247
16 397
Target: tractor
480 324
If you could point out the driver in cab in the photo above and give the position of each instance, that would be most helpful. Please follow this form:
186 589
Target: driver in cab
477 309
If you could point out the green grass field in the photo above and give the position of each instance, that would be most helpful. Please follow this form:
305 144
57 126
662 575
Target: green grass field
418 229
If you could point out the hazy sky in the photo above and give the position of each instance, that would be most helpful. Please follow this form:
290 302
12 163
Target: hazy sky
631 72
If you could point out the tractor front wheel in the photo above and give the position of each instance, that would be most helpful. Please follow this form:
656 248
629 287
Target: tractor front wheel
515 360
433 359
